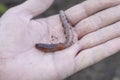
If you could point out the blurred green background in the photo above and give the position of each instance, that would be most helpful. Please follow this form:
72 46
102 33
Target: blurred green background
3 8
108 69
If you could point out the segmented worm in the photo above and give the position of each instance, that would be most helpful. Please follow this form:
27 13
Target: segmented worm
59 46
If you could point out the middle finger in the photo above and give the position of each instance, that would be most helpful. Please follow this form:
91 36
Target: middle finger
98 20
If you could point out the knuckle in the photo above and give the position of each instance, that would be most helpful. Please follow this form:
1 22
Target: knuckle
92 23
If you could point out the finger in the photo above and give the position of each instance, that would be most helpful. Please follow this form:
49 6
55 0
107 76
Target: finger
32 7
87 8
98 21
100 36
96 54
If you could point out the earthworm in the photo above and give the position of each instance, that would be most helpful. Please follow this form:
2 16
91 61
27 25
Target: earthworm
59 46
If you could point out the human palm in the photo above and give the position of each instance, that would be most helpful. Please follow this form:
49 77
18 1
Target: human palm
19 32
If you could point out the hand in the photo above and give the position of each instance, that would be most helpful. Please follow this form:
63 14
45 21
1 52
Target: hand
96 24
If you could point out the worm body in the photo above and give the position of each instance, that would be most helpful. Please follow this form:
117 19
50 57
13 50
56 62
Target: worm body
50 47
59 46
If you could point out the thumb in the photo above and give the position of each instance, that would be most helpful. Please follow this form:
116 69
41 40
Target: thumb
33 7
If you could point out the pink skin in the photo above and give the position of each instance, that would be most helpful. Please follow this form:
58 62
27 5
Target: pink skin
98 26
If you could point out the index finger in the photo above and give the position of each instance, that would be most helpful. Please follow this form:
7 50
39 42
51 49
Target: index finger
87 8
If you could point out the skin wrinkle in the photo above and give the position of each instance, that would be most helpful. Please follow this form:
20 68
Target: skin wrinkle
51 33
75 19
87 29
82 62
55 69
11 51
48 29
56 29
72 68
44 21
107 13
89 23
86 11
114 45
87 3
100 21
27 32
102 46
99 38
58 75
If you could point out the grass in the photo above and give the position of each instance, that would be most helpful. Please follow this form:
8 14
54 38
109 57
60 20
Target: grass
3 8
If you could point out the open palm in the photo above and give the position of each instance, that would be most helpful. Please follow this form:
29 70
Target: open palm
20 60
